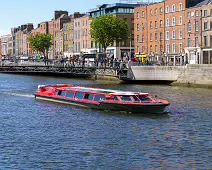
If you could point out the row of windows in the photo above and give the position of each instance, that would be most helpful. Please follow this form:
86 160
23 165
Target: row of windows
206 25
78 24
80 95
174 35
161 23
156 12
156 49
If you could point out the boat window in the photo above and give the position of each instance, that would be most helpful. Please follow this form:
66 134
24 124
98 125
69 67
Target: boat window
70 94
126 98
61 93
99 97
86 96
79 95
56 92
114 98
144 97
90 97
136 98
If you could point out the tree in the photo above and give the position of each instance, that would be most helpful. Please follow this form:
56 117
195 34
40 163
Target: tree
107 29
41 43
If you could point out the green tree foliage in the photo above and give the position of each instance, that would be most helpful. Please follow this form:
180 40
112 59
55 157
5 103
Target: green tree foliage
107 29
41 43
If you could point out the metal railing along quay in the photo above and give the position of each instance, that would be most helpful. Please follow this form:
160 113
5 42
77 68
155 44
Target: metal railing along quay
115 69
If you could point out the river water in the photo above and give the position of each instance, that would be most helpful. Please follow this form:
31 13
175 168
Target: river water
43 135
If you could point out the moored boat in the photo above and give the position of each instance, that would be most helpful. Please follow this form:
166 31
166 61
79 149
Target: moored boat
133 102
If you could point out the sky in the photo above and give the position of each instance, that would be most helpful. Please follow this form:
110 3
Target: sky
17 12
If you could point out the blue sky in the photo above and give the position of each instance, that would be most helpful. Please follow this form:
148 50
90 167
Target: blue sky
16 12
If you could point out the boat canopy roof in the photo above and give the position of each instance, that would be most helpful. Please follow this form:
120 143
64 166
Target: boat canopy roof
102 91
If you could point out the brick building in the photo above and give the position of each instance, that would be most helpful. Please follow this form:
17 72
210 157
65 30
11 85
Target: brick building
82 39
206 8
193 35
164 30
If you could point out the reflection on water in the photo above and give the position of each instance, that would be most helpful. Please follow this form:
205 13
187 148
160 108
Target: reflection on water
43 135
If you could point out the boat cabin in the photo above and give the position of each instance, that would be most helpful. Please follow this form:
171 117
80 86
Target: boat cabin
100 95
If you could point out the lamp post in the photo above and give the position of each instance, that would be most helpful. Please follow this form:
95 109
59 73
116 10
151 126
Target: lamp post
130 46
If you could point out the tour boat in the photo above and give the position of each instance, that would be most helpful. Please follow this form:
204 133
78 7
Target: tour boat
132 102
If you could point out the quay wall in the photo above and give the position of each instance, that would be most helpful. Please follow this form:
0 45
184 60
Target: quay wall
191 74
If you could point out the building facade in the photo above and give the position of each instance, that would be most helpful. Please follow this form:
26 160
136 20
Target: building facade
82 39
120 10
170 31
206 32
193 32
4 43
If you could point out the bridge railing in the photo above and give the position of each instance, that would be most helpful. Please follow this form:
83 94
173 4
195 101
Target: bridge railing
65 63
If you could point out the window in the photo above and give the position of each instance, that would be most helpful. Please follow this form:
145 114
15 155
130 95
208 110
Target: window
205 13
156 49
181 20
167 9
156 37
114 98
174 48
167 48
156 24
79 95
142 14
156 12
138 49
150 36
173 21
173 8
189 26
70 94
138 15
196 26
142 26
189 42
61 93
142 39
161 23
150 24
197 13
173 35
161 36
150 48
136 98
138 38
205 41
143 97
211 25
150 12
99 97
126 98
206 25
189 14
90 97
161 49
138 27
167 22
196 42
167 35
180 34
180 48
181 6
161 10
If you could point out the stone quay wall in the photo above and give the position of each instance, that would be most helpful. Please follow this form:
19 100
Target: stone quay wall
191 74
